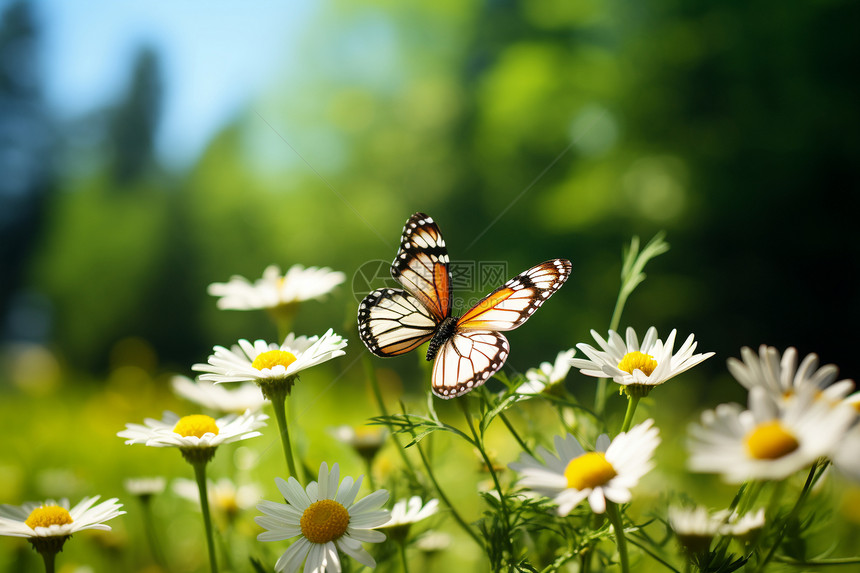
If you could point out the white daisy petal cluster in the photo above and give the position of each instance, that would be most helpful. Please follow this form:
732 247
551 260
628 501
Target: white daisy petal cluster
744 525
144 486
365 440
55 519
630 363
782 376
196 431
696 526
433 541
260 361
573 475
698 521
771 440
219 398
224 494
847 456
853 400
547 375
412 510
275 289
328 519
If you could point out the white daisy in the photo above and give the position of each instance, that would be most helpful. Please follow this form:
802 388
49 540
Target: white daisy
406 512
47 525
696 527
433 542
744 526
275 289
327 520
782 376
631 364
262 363
365 440
853 401
607 473
412 510
144 486
547 375
224 495
768 441
219 398
193 432
846 458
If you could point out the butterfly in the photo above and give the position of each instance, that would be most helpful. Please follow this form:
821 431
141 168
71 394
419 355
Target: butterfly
469 349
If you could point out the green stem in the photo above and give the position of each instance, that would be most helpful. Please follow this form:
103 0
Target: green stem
48 557
747 502
632 402
457 517
283 318
600 396
585 561
804 493
619 308
368 467
200 475
775 499
149 528
279 401
402 544
736 500
514 433
620 541
561 560
751 497
377 393
742 502
644 547
819 562
479 443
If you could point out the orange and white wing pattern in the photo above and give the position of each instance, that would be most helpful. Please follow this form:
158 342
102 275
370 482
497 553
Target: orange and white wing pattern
421 265
514 302
467 360
392 322
467 350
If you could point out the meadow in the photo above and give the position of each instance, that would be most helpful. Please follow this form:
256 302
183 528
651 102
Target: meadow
679 175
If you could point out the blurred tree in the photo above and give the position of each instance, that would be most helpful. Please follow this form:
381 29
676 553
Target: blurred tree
133 122
107 259
757 101
529 130
26 164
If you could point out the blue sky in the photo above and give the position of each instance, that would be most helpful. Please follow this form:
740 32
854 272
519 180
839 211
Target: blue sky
217 56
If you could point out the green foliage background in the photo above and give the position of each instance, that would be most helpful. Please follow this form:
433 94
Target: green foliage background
528 130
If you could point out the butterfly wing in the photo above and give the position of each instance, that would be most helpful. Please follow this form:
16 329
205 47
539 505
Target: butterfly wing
514 302
467 360
392 322
421 265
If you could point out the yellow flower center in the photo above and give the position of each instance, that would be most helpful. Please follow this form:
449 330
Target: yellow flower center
369 435
769 441
227 502
195 425
588 471
47 516
637 361
272 358
324 521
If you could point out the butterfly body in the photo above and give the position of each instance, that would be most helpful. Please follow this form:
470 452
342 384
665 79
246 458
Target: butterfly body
469 349
443 334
